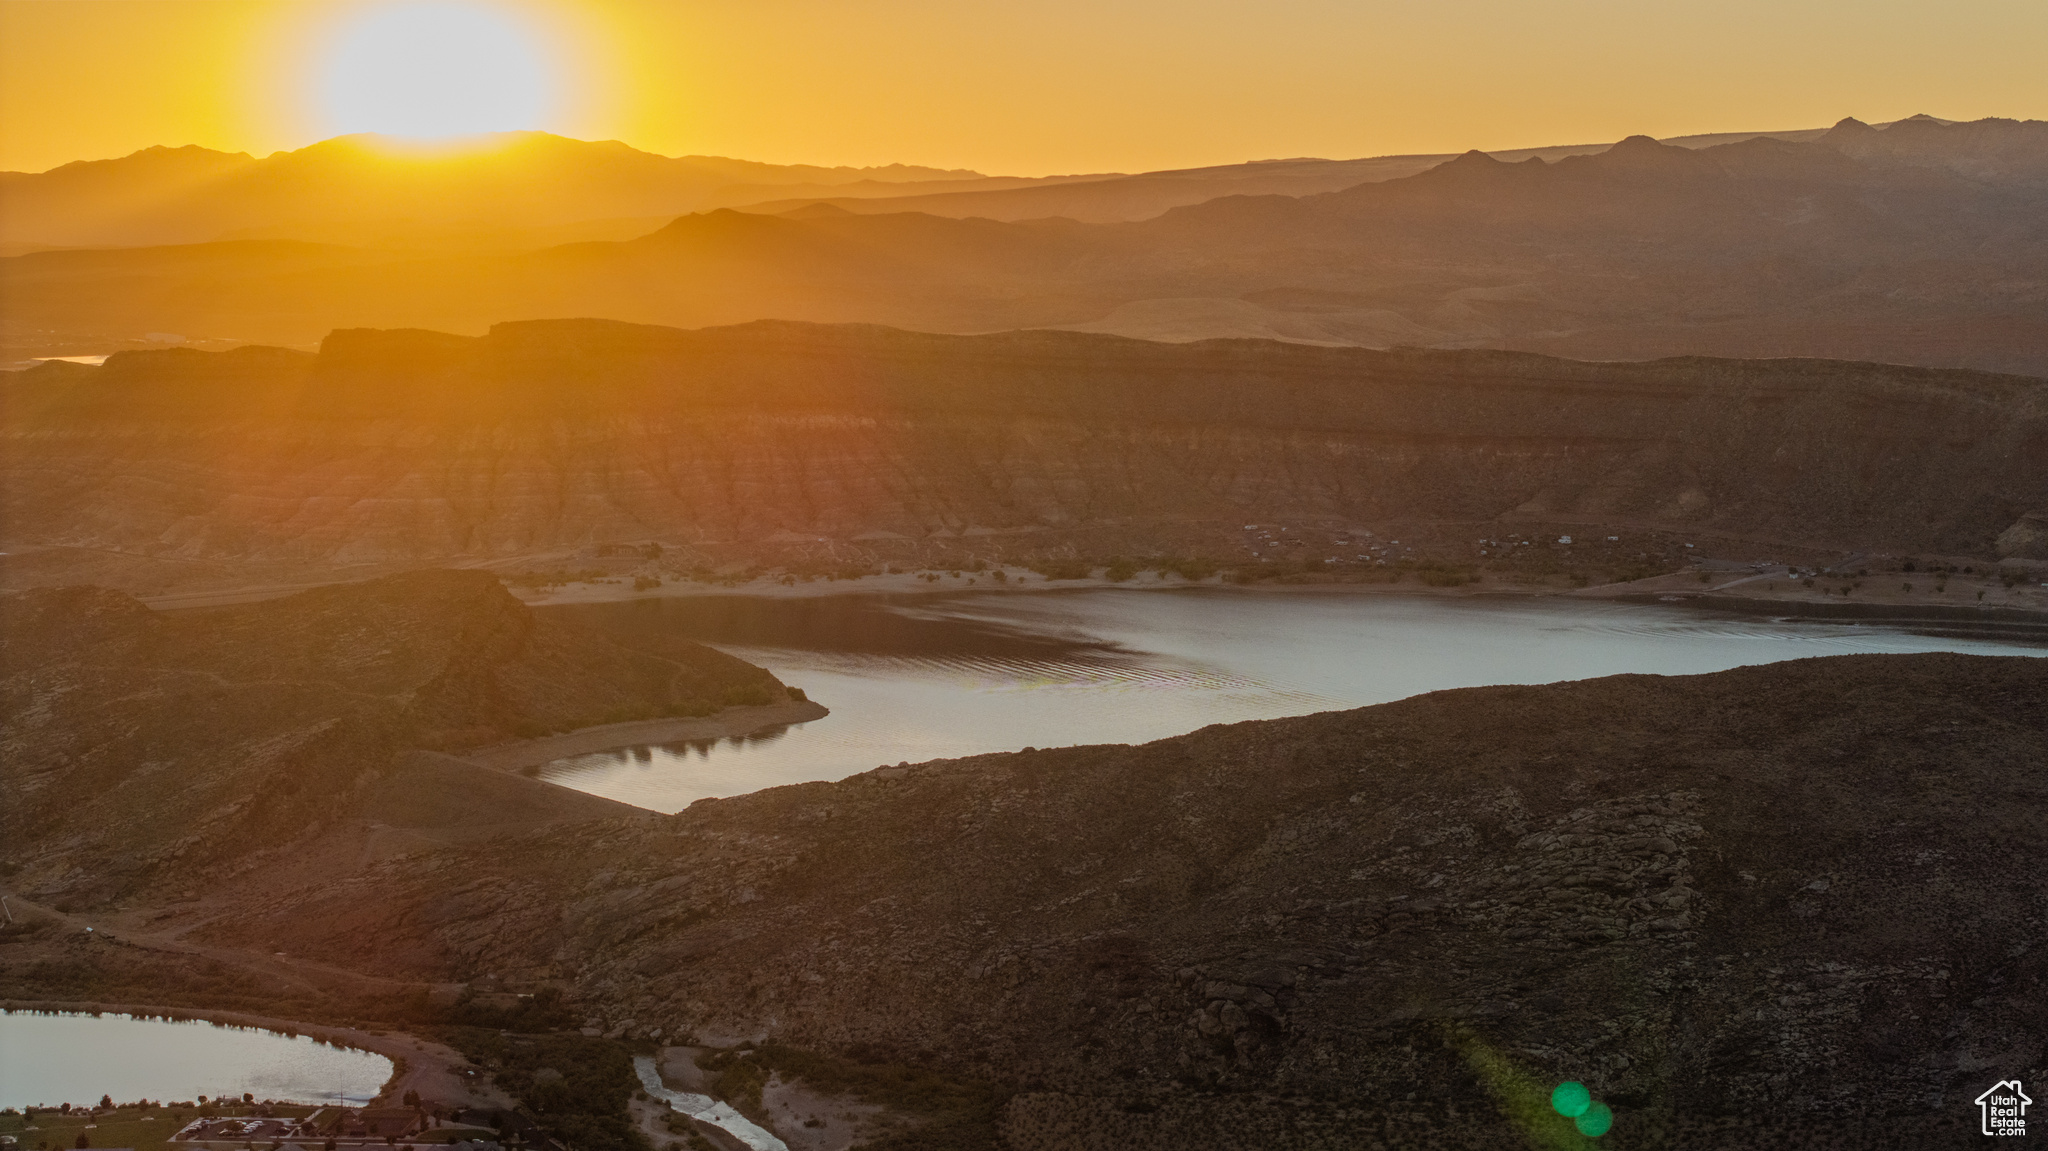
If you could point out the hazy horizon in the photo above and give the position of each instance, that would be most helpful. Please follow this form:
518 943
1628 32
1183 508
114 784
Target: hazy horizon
1052 91
400 148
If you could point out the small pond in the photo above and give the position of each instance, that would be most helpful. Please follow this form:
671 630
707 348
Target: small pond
50 1059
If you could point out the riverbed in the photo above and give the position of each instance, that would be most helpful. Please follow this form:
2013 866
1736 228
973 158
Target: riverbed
913 678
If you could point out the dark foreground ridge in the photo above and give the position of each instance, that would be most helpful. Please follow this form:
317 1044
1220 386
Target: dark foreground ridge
150 753
1784 906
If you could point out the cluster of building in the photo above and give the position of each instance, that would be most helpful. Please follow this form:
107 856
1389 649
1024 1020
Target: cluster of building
341 1124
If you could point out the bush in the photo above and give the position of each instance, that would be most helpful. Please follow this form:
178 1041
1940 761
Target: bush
748 695
1062 569
1188 569
586 1107
1437 573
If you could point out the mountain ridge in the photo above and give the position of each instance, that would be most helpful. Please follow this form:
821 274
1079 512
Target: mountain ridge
1927 251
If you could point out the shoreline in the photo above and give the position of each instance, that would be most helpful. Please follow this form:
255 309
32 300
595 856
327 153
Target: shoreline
2028 605
2027 601
733 721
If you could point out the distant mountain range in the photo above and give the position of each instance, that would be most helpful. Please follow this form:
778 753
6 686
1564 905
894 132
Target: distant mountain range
532 189
520 189
1923 242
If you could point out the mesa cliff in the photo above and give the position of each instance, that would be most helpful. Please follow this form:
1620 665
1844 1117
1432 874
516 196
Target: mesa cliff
772 439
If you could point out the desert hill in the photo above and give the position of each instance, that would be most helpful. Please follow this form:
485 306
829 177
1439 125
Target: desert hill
765 441
146 749
1776 907
1918 243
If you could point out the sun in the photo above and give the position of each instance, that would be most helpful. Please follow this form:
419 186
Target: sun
435 69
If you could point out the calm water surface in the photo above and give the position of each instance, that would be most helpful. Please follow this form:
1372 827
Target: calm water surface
925 677
55 1059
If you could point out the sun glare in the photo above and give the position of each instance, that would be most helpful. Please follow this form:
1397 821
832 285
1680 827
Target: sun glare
435 70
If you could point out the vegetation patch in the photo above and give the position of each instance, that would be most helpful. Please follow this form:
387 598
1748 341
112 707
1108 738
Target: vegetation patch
578 1087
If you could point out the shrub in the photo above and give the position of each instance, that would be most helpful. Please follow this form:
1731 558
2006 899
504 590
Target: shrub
1062 569
1188 569
748 695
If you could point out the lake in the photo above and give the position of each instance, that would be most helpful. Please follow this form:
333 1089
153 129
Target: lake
912 678
56 1059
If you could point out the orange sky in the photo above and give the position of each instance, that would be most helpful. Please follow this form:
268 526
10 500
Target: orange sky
1055 85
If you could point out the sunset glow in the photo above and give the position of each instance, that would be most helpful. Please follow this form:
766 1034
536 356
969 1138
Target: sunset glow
1060 86
433 71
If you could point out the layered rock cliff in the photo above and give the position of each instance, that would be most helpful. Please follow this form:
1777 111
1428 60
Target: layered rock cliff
411 447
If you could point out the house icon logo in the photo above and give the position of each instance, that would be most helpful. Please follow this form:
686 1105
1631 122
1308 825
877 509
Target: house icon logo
2005 1109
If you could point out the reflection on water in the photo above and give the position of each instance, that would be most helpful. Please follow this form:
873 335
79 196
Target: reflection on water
917 678
55 1059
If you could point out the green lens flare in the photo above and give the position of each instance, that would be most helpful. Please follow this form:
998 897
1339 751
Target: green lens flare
1594 1120
1571 1099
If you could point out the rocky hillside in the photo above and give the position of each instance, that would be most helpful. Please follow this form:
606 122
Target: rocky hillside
1784 906
144 749
769 440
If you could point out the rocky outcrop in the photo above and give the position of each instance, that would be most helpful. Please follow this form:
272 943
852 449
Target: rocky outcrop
414 447
2027 538
145 750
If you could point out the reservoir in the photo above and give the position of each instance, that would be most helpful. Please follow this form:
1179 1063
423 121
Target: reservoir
48 1060
912 678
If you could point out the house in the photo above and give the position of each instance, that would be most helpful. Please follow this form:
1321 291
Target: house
342 1123
396 1122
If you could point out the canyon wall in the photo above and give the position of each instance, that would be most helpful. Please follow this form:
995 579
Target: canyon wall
417 447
